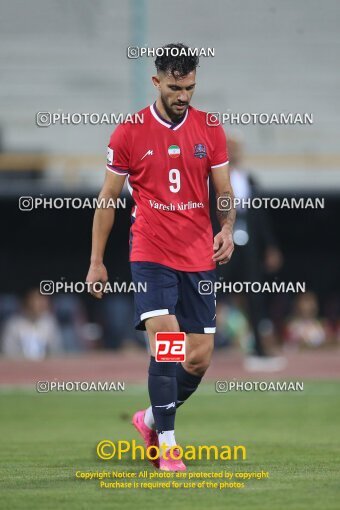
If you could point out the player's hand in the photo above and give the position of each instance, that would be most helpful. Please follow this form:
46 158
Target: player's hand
223 246
97 273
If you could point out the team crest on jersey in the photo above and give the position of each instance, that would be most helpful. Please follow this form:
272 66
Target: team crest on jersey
200 151
174 151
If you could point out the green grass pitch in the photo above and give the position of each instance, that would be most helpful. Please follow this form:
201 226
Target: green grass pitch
45 438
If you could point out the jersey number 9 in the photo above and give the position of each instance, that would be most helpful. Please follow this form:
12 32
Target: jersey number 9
175 179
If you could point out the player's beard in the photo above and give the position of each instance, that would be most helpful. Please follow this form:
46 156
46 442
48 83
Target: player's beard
175 117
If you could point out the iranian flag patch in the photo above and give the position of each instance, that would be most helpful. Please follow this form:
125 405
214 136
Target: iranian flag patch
174 151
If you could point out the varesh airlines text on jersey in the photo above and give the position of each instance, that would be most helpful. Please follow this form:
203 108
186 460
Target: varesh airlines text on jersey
181 206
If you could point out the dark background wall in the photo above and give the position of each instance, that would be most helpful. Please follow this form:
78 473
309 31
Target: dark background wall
51 244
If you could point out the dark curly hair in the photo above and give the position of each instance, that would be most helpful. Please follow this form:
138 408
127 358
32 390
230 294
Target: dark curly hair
174 62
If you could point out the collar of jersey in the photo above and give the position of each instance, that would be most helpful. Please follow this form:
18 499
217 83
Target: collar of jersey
169 125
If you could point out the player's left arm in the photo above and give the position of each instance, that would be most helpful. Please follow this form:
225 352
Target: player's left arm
225 210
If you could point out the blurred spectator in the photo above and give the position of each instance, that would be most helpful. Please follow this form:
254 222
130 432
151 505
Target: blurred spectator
232 327
71 316
9 305
332 322
304 328
256 249
114 314
33 333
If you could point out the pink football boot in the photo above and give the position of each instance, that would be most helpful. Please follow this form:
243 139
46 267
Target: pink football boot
149 435
172 464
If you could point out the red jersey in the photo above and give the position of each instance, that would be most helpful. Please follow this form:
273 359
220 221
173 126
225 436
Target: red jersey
168 166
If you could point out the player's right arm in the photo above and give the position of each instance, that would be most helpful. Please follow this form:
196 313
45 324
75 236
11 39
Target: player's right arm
102 225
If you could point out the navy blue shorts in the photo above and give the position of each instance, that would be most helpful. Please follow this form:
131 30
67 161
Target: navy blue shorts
187 295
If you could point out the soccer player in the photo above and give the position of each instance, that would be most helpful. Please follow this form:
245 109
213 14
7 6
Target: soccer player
167 161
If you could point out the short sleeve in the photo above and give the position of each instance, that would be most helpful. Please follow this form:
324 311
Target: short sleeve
118 152
220 152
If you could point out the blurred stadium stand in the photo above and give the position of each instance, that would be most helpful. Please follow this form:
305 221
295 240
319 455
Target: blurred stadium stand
270 57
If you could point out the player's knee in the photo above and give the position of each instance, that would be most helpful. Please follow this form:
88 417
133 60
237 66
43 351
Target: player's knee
162 323
197 365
